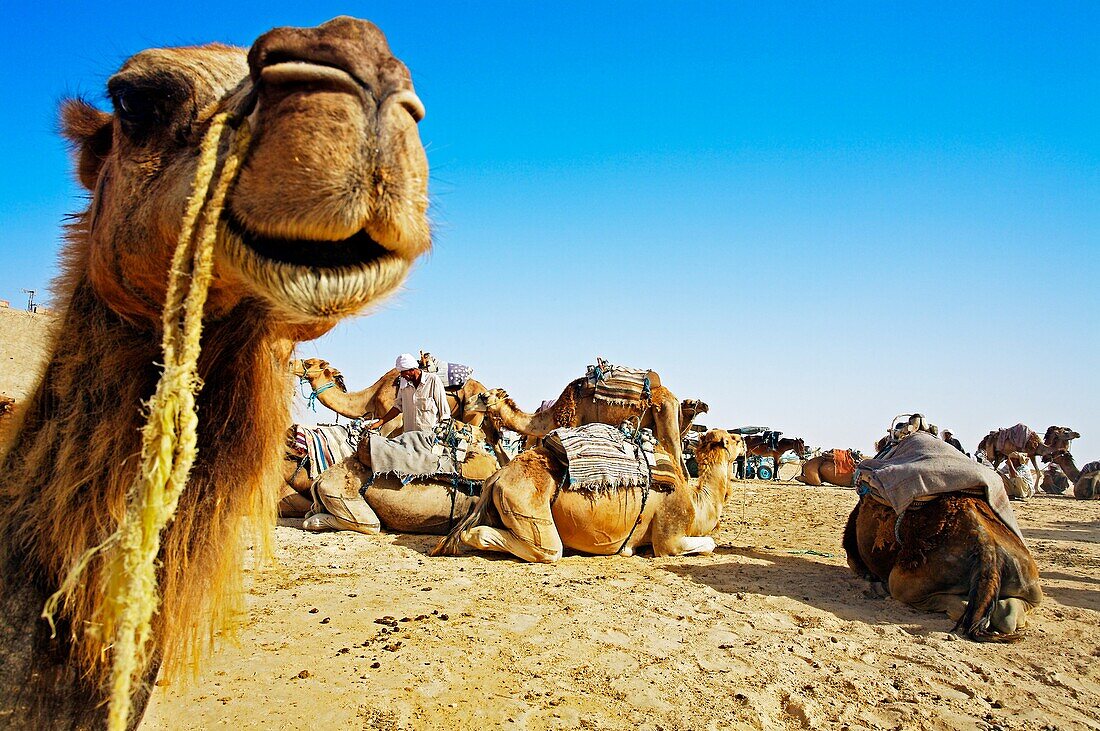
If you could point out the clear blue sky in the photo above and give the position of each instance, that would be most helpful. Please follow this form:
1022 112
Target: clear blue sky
811 215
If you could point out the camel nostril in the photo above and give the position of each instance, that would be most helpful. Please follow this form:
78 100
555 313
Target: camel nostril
411 103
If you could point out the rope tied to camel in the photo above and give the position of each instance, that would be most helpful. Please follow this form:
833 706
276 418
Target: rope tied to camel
169 437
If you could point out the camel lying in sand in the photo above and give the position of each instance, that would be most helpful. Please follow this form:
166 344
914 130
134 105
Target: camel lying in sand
824 468
951 554
576 406
540 520
325 218
348 497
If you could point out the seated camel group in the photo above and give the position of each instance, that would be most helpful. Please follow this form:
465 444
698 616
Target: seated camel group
530 518
523 510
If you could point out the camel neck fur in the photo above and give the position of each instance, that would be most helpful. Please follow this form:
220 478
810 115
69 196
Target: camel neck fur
711 490
1065 461
84 420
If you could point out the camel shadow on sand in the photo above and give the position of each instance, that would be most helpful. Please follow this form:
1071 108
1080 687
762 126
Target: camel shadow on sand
1080 531
831 588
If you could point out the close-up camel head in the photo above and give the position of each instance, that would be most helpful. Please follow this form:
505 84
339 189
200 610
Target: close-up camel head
694 406
328 210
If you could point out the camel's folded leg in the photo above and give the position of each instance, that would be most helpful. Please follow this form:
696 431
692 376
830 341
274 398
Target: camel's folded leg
337 494
686 545
292 504
488 538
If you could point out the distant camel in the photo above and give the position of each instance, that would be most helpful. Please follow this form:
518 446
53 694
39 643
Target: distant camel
756 445
1000 443
1086 483
836 466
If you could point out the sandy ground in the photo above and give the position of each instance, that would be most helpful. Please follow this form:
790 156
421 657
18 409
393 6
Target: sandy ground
771 631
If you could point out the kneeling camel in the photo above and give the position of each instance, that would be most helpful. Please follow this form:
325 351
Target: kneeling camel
951 553
540 521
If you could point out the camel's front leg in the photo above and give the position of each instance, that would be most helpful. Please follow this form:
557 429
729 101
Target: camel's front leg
685 545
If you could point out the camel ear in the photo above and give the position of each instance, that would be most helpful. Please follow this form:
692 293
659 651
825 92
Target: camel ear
90 132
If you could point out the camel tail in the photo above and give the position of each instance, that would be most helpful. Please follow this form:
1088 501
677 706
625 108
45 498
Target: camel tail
985 591
451 544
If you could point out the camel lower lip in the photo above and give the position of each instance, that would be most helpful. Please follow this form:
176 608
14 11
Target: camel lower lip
356 250
313 290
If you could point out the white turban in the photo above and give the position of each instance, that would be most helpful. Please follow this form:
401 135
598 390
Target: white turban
406 362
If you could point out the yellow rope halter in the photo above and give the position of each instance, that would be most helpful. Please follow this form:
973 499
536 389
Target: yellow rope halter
168 440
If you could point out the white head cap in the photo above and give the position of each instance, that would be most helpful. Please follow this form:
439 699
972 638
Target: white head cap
406 362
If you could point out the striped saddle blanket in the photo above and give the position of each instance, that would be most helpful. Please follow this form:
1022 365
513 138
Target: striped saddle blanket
1090 468
598 457
324 445
618 385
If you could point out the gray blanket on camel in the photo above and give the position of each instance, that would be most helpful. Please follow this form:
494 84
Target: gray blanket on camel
921 465
409 455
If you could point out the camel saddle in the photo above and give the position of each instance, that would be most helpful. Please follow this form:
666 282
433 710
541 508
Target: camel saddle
844 462
618 385
920 467
453 375
598 458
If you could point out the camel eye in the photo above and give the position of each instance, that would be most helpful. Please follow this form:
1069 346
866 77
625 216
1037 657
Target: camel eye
143 107
134 106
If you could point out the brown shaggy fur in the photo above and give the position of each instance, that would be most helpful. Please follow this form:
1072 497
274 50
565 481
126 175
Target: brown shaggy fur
64 482
85 422
953 545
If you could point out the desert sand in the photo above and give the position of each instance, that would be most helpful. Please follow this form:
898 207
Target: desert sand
771 631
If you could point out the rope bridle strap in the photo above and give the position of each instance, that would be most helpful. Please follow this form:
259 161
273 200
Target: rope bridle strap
169 437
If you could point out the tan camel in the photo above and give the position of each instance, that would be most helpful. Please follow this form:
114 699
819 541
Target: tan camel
325 218
1000 443
378 398
830 467
1085 486
347 497
539 520
576 406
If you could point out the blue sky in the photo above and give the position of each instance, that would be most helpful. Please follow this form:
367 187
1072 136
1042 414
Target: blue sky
811 215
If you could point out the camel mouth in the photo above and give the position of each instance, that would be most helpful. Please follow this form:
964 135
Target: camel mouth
359 249
311 280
